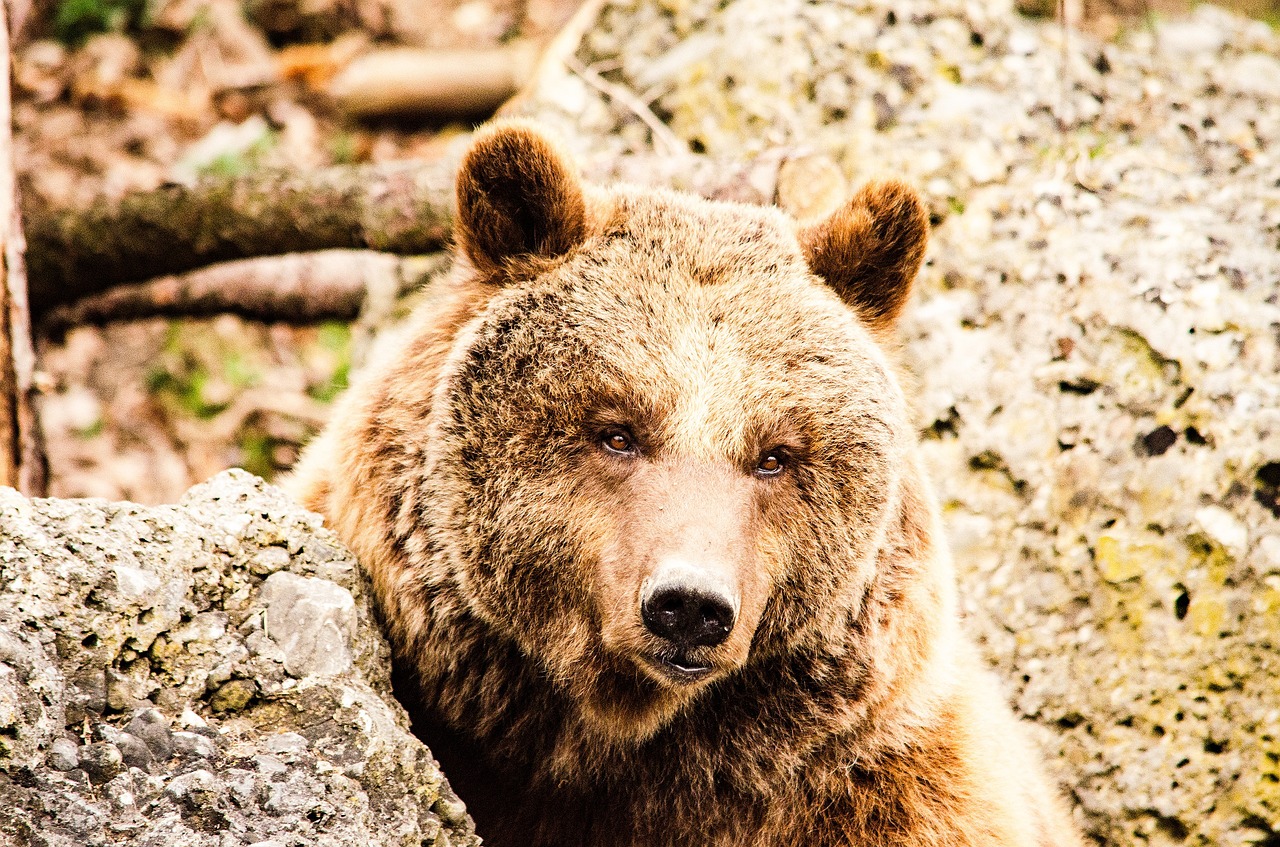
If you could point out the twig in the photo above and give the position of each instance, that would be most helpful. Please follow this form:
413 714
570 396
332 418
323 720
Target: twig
664 139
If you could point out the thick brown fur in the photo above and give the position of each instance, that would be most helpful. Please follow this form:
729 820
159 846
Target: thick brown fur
508 546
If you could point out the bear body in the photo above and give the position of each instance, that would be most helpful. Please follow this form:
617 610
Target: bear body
640 502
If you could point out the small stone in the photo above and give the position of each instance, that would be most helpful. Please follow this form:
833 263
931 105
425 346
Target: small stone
64 755
268 560
192 745
190 720
1266 557
1224 528
101 761
120 793
233 696
289 746
135 751
87 695
451 810
313 621
194 790
270 766
243 787
153 729
122 693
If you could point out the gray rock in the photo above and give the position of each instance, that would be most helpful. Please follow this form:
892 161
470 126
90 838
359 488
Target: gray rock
193 745
194 790
151 612
153 729
64 755
287 746
134 751
101 760
312 620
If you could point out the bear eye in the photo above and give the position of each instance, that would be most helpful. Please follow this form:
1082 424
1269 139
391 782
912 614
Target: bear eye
619 441
770 463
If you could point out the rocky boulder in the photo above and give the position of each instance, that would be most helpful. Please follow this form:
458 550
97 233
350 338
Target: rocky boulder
208 673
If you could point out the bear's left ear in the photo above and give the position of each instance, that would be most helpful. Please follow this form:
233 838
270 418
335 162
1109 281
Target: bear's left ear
518 196
870 250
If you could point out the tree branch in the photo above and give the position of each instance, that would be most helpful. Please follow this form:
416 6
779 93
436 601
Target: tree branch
295 287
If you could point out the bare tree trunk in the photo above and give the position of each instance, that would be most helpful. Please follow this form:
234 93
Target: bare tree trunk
22 461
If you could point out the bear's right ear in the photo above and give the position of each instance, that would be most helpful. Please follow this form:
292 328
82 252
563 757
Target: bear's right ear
518 196
870 250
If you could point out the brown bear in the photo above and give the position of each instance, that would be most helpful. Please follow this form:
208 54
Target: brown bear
640 501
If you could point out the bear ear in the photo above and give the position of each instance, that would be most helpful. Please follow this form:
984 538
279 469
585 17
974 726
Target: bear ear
870 250
518 196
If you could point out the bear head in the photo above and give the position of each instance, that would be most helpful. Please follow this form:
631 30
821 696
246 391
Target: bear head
668 442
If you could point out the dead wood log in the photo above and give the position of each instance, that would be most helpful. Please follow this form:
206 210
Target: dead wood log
399 208
414 81
22 459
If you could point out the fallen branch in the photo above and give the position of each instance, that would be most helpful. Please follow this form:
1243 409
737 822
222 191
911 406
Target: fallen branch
399 208
411 81
296 288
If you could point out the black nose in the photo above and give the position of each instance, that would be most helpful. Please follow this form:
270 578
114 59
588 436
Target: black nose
686 616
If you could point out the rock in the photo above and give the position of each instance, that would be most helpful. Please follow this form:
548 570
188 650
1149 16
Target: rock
134 751
151 726
190 745
1094 345
101 761
135 624
311 620
64 755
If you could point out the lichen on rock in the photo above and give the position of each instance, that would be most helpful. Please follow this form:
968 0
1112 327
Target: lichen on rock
177 674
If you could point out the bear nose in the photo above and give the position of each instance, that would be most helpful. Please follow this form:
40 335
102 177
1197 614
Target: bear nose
688 616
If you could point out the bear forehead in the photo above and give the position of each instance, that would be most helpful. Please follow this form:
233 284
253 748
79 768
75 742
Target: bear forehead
711 242
704 311
675 285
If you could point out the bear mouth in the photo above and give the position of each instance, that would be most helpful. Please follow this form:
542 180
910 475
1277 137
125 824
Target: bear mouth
681 668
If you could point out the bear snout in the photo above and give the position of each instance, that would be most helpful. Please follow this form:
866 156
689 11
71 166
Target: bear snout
688 615
691 611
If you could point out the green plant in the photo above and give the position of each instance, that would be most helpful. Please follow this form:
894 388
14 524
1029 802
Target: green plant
76 20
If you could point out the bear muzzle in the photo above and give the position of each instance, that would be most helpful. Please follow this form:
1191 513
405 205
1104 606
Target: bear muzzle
691 611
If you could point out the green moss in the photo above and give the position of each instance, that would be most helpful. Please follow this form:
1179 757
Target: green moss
333 340
233 696
76 20
239 163
197 375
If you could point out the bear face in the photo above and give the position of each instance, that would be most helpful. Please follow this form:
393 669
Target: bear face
664 445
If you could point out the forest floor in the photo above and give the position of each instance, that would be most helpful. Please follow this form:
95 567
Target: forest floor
141 410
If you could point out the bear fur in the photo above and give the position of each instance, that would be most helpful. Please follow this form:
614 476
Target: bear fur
621 384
